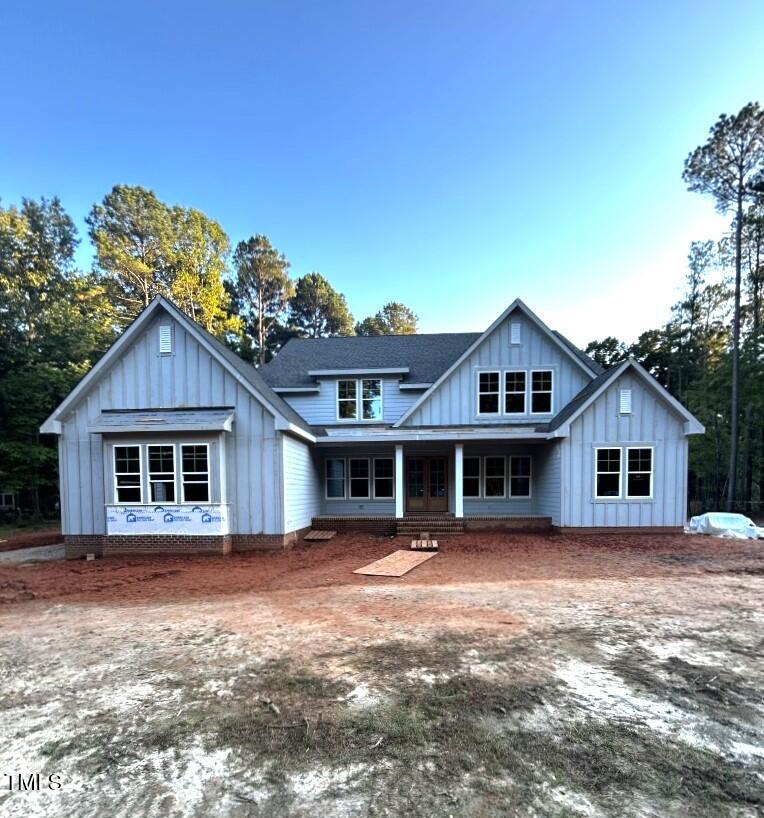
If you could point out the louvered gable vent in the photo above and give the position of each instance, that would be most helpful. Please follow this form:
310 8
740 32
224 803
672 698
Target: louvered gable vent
165 339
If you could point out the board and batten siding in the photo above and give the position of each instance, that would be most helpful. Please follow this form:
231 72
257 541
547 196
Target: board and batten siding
652 422
302 487
455 400
141 378
320 408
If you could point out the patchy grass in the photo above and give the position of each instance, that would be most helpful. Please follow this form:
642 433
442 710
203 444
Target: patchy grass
462 734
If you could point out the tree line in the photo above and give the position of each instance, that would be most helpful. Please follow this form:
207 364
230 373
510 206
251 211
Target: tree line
56 320
710 354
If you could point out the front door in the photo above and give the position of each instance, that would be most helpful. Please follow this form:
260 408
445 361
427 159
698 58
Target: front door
426 484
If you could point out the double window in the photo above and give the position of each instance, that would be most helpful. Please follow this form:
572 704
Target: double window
623 472
523 391
360 478
359 399
489 477
158 462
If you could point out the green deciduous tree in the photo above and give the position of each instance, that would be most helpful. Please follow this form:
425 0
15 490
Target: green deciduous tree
145 248
261 294
318 310
54 323
393 319
725 167
607 352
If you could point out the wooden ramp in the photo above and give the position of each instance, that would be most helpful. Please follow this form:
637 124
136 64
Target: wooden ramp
396 564
319 535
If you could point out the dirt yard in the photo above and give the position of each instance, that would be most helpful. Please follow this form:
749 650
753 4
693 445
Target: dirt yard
508 676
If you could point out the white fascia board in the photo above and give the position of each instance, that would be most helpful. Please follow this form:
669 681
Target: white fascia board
386 370
414 385
435 435
285 390
516 304
192 328
52 424
692 425
284 425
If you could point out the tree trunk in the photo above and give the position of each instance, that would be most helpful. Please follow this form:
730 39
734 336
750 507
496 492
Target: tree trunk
735 397
747 458
261 327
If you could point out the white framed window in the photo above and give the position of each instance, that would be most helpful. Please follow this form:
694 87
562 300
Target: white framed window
541 391
514 392
358 470
335 478
347 400
520 475
195 472
607 478
128 475
495 471
161 460
371 399
7 500
384 478
488 393
471 477
514 332
624 401
639 472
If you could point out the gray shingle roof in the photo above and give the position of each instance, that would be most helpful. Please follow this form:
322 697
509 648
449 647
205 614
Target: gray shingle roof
580 398
426 356
250 374
580 354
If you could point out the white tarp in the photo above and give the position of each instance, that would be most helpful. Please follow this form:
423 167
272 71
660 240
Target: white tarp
209 518
720 524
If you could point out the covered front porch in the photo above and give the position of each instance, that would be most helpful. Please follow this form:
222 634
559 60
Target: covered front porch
439 485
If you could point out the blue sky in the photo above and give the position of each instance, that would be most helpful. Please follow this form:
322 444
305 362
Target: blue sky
451 155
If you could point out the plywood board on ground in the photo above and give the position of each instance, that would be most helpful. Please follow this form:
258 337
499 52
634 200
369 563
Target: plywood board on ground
319 535
396 564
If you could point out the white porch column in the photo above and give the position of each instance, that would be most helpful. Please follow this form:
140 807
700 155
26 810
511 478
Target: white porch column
399 480
459 480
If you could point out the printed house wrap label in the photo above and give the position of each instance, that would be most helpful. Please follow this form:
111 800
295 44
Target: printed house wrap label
164 519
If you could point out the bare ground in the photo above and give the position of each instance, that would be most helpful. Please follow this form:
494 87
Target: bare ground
510 676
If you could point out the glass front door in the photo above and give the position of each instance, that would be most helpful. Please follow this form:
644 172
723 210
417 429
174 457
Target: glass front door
426 484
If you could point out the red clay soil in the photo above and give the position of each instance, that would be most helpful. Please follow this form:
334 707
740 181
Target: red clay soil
480 558
30 539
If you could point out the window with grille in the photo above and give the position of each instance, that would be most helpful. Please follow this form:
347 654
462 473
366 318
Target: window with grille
195 473
488 393
127 474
